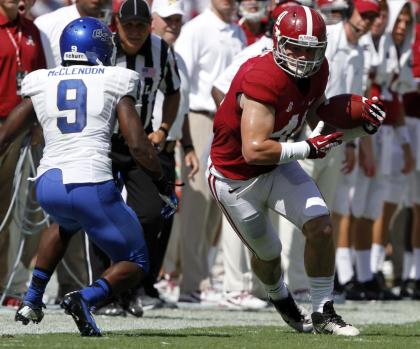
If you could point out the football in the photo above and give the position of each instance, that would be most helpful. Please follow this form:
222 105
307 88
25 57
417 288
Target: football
342 111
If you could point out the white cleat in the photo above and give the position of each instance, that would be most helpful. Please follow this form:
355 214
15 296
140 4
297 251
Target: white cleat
328 322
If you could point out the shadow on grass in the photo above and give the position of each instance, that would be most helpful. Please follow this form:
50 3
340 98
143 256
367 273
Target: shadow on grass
165 317
414 335
169 334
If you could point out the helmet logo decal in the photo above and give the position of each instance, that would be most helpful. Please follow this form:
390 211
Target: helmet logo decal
100 34
277 26
310 38
280 17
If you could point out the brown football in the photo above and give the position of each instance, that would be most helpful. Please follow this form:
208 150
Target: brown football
342 111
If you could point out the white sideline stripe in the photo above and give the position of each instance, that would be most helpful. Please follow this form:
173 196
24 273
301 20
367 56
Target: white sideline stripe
309 23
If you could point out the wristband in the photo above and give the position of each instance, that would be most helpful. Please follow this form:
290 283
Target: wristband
164 130
187 147
293 151
402 134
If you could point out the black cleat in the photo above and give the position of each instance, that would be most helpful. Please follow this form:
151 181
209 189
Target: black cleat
134 306
328 322
74 305
407 288
416 291
111 309
353 291
295 316
28 312
374 291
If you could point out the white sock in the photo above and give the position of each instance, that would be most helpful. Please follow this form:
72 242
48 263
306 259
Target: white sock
377 257
416 256
321 291
278 290
407 265
344 266
363 265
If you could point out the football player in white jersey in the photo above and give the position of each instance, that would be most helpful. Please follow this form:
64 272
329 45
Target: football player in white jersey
75 103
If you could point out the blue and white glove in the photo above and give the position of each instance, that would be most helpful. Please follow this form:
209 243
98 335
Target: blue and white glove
171 206
167 194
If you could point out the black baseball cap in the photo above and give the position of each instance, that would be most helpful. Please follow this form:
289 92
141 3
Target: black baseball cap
134 10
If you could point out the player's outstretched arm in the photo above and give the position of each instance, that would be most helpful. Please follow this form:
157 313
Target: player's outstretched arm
258 146
18 121
132 129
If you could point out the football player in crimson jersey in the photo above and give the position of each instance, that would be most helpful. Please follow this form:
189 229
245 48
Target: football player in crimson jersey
252 167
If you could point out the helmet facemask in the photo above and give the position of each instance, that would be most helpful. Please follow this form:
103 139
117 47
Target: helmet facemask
300 68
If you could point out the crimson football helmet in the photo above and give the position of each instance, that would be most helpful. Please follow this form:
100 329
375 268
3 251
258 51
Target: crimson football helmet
299 29
333 11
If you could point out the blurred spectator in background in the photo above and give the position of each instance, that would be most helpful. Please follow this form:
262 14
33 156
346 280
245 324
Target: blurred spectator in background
411 105
21 53
333 11
41 7
167 22
206 56
253 18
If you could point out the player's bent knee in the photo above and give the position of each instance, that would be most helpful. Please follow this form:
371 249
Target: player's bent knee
319 228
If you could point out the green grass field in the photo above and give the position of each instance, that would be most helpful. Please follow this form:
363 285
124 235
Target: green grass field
406 336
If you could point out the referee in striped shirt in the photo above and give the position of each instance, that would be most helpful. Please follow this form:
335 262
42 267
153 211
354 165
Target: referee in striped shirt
149 55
